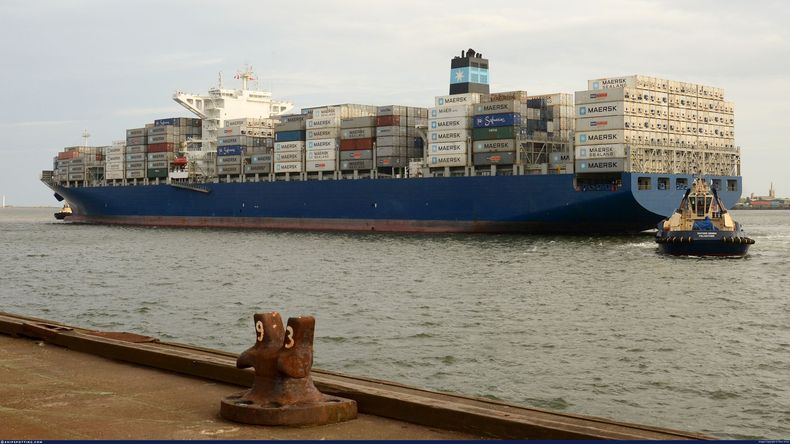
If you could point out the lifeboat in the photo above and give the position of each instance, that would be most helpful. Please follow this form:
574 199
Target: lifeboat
702 226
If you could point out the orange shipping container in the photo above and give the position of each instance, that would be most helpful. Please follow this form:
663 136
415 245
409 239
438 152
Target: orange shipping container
357 144
387 120
161 147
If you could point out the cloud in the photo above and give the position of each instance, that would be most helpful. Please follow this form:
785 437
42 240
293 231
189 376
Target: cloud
38 123
147 111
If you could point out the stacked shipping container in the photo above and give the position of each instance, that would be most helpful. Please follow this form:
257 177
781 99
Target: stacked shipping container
166 137
79 164
115 161
636 111
497 126
289 143
335 138
135 153
245 147
449 130
397 138
357 139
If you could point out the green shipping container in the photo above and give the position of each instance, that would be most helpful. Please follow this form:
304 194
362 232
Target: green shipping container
500 132
156 173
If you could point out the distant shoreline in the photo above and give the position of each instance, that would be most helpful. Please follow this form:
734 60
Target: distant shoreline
757 209
20 207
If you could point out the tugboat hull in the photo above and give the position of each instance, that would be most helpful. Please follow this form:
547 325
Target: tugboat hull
703 243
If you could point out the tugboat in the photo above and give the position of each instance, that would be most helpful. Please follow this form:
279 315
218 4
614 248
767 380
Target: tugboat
65 211
701 226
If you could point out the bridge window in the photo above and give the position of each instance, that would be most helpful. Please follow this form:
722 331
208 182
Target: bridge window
732 185
663 183
681 183
716 184
643 183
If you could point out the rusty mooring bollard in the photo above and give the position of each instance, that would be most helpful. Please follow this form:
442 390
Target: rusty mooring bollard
283 392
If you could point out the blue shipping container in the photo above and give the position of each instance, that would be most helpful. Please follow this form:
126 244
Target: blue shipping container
492 120
289 136
230 150
165 122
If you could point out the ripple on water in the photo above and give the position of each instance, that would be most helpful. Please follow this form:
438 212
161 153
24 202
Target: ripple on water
597 324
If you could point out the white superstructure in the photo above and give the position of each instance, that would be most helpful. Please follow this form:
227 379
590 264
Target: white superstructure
223 104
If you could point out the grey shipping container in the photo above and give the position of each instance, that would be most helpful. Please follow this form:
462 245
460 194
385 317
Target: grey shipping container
169 138
356 155
157 164
391 110
291 156
397 161
233 140
136 140
358 133
356 164
494 158
383 131
358 122
161 156
323 133
136 132
505 106
135 174
228 160
261 159
135 157
493 146
391 151
134 149
228 169
260 168
163 130
135 165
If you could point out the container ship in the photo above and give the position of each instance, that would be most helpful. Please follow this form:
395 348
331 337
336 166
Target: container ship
615 157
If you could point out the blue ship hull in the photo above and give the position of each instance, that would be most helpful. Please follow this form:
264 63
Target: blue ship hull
530 204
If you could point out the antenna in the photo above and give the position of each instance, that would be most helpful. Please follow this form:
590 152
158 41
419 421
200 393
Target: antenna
85 136
245 76
220 80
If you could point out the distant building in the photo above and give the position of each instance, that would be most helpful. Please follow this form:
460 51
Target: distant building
764 202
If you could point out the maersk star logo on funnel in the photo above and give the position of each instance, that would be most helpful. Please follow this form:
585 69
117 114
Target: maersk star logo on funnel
459 76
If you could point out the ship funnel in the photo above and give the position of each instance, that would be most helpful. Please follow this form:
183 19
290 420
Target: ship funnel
469 73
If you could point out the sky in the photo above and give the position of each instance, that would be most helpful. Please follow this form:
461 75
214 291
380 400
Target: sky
104 66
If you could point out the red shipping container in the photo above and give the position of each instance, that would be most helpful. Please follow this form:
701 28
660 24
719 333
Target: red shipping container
161 147
65 155
387 120
356 144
